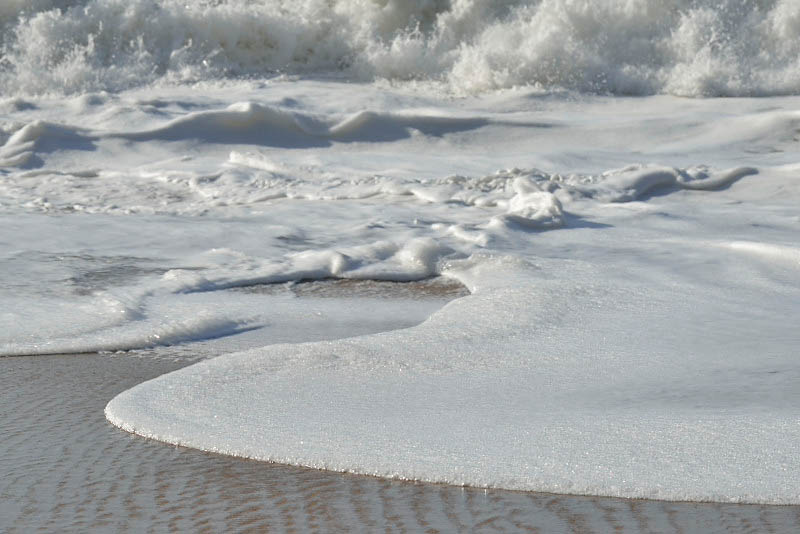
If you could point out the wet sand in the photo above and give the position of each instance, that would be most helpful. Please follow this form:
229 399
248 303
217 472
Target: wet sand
64 468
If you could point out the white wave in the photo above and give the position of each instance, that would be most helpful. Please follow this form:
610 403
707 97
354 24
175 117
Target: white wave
686 47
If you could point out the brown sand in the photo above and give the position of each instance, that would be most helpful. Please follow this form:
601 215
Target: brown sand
430 288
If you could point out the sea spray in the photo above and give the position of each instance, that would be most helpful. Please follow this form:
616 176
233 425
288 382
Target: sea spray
681 47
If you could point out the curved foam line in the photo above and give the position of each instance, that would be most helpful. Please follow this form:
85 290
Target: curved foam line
717 180
146 336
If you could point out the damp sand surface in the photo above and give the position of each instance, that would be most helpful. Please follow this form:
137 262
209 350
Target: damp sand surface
64 468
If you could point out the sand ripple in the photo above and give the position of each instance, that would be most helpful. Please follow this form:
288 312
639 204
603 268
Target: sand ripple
64 468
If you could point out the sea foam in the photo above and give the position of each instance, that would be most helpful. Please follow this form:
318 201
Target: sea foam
552 376
687 47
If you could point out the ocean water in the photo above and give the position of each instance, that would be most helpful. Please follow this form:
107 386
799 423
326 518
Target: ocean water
616 183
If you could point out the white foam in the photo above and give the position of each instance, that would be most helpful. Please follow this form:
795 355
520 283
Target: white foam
543 379
789 255
139 336
531 197
691 48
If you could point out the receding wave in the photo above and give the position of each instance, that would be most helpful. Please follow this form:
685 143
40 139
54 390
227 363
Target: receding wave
680 47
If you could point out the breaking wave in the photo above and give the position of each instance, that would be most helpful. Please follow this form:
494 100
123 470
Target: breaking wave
680 47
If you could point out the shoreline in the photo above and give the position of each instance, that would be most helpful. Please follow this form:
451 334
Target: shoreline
65 467
109 470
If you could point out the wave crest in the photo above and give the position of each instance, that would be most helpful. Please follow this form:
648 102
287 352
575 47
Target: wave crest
681 47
